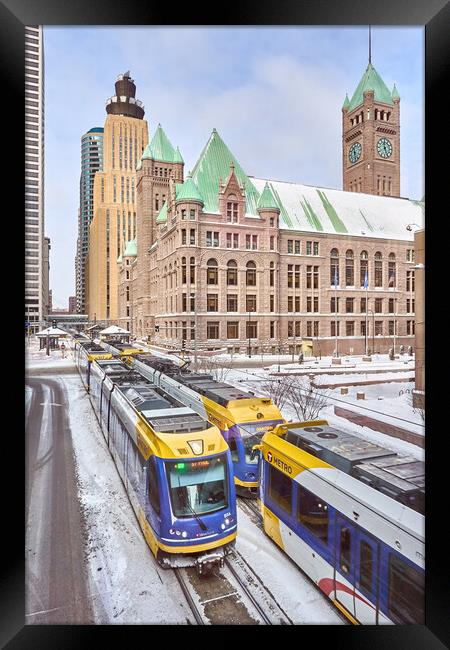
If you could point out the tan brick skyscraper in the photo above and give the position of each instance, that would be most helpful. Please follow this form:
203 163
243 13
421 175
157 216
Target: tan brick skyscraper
114 221
371 137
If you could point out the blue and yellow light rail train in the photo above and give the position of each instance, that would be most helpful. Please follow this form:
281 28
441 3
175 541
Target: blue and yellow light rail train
241 417
175 466
356 531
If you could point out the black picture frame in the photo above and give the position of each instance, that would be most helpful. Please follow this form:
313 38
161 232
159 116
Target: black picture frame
435 16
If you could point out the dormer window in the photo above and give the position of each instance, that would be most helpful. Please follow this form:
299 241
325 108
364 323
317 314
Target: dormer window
232 209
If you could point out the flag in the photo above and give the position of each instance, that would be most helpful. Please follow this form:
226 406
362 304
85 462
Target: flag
366 281
392 280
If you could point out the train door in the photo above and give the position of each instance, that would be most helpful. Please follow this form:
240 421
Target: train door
366 578
345 564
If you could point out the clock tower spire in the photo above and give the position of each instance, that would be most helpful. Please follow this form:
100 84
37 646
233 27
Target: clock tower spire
371 136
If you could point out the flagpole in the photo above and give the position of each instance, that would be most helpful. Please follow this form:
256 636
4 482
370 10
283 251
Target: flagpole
336 311
367 305
395 300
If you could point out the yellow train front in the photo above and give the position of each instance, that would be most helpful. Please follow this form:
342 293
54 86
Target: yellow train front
175 465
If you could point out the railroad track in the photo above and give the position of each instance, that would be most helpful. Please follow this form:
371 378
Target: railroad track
249 506
232 594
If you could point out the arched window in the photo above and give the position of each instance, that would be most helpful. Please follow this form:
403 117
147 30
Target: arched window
378 269
392 271
363 268
212 273
170 275
183 270
232 274
334 267
156 201
349 269
192 270
251 274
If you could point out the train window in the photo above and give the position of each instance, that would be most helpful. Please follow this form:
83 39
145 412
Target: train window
345 550
198 487
153 492
312 512
366 566
233 449
406 592
280 488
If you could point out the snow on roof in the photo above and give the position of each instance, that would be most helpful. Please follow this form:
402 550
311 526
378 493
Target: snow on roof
113 329
315 209
52 331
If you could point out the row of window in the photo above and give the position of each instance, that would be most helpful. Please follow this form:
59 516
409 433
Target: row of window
312 329
350 305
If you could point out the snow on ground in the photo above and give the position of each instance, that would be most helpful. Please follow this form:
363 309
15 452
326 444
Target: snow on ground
300 598
393 408
36 359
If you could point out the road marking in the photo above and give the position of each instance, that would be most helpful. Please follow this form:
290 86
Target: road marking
50 404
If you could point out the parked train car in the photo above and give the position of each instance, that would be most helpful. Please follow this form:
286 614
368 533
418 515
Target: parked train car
175 466
85 352
119 348
241 417
348 529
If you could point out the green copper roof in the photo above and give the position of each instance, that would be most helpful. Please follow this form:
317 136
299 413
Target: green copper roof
371 80
213 165
394 93
178 156
188 191
160 148
130 249
162 216
267 200
346 103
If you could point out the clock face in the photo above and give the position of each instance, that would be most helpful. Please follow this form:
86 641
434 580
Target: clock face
354 152
384 147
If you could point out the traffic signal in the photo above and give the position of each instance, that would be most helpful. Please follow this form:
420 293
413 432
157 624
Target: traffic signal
183 344
54 323
156 328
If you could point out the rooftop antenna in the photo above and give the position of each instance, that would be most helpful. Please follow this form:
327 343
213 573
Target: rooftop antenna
370 46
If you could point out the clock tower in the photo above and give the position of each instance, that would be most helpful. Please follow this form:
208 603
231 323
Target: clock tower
371 137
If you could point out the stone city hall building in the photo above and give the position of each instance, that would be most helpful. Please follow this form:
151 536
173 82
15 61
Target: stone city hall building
239 261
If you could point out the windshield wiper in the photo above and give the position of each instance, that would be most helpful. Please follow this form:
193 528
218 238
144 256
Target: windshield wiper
203 526
187 503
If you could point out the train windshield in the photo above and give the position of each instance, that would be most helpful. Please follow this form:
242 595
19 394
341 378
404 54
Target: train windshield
251 434
198 487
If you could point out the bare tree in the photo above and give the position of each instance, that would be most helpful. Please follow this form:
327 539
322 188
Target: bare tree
306 400
218 369
278 389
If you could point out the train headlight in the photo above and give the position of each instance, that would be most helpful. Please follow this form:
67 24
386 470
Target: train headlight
184 534
177 532
222 526
171 531
228 521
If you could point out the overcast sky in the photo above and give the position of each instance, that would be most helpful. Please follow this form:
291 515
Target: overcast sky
274 95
